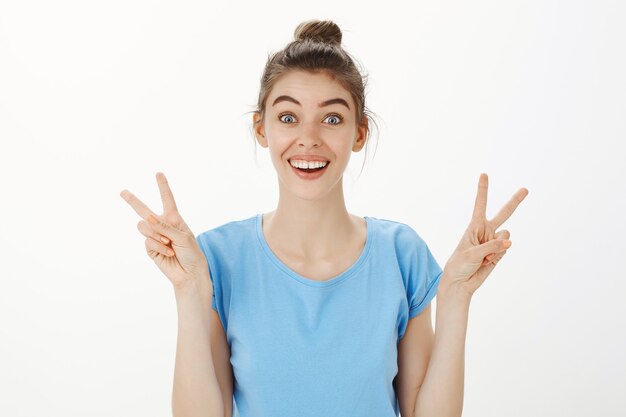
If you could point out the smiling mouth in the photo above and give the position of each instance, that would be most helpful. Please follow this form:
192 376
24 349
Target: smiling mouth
310 169
313 173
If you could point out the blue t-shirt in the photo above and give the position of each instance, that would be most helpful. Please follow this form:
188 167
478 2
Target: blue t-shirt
307 348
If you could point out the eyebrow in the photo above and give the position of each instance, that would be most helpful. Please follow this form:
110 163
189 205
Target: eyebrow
322 104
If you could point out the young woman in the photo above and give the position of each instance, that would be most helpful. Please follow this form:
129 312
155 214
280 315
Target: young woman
309 310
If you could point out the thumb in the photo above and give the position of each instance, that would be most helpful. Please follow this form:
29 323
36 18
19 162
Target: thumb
493 246
172 233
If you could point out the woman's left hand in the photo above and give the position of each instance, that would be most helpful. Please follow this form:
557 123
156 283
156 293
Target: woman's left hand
481 246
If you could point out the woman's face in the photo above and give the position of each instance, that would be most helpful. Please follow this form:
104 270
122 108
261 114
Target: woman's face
298 122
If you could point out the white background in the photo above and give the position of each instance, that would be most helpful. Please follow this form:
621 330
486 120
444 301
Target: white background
96 97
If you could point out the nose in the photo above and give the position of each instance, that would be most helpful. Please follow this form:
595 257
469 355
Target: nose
309 134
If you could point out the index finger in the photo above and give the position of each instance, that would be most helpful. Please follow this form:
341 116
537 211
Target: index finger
137 205
169 205
480 206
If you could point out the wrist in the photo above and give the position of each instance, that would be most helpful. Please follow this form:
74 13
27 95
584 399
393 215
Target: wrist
451 293
199 286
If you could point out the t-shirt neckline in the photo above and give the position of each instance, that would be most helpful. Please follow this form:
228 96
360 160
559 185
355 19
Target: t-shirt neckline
311 282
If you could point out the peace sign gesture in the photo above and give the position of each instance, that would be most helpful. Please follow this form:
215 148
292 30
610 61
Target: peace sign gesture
481 246
169 241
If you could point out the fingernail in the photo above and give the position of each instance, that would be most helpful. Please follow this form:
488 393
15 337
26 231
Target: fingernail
165 240
152 219
507 243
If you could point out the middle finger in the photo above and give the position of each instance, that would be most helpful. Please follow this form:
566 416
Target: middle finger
508 209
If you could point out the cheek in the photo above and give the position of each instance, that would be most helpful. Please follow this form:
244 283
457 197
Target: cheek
277 149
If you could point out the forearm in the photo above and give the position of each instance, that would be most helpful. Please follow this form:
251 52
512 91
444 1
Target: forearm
441 393
196 391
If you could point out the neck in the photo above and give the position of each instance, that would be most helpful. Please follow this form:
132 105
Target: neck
311 229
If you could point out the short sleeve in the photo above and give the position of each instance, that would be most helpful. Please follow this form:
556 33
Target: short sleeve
423 280
204 251
420 275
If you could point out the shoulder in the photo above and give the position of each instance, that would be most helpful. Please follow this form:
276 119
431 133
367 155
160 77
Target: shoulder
232 227
228 232
403 236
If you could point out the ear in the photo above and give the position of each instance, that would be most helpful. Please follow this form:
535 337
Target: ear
259 129
361 135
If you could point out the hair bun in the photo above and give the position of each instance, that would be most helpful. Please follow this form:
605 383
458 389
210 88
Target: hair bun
321 30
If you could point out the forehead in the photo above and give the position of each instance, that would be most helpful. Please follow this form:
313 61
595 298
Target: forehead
307 86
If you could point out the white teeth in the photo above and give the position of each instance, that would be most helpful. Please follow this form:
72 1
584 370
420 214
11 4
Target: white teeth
307 165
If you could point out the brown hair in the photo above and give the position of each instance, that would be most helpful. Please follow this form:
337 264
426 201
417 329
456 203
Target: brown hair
317 48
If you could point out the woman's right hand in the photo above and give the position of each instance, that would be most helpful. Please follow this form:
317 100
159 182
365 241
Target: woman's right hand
179 257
